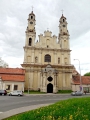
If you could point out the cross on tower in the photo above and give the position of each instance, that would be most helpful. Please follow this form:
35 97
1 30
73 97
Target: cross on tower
47 29
32 8
62 11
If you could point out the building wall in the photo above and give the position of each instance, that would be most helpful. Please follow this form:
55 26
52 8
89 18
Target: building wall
19 84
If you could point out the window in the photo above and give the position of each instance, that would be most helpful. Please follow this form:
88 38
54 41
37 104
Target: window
31 17
31 22
30 41
36 59
58 60
63 25
63 20
47 58
15 87
8 87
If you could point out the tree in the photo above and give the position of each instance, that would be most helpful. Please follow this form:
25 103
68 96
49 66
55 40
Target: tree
87 74
3 64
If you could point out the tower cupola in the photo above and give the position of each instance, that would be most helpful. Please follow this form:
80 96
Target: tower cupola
31 22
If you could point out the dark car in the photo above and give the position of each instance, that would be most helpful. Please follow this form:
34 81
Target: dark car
77 93
3 92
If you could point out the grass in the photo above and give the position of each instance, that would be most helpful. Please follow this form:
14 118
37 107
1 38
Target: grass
38 92
64 91
34 92
71 109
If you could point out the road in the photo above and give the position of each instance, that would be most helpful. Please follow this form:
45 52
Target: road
12 102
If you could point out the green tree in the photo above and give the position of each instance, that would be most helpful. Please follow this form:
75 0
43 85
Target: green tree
87 74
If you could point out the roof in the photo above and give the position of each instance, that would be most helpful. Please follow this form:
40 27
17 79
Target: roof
32 13
63 16
12 70
84 80
12 74
17 78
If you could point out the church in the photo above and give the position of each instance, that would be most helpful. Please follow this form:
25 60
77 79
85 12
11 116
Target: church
47 62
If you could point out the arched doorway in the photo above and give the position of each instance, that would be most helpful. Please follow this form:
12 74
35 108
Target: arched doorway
49 88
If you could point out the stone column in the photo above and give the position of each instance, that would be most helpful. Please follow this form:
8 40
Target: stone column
25 55
55 80
31 79
55 54
44 81
38 79
63 79
33 58
40 56
62 59
69 60
41 82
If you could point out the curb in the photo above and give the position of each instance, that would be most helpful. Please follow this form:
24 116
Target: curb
20 110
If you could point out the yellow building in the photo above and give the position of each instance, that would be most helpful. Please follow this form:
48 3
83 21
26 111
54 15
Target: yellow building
47 62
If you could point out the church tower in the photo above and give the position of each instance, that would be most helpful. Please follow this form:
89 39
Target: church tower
47 62
63 33
30 31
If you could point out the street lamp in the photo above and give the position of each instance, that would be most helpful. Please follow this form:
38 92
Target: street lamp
81 89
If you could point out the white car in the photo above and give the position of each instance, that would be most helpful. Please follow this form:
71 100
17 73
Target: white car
16 93
77 93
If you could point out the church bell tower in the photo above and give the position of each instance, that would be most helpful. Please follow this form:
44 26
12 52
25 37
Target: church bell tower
63 33
30 31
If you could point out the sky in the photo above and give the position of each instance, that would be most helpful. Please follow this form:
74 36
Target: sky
13 24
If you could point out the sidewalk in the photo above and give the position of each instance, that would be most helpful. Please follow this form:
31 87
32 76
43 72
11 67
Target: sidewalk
20 110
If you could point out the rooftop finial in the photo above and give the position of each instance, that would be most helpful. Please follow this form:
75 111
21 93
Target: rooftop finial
62 11
47 29
32 8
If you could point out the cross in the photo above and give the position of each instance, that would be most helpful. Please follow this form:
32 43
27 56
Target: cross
62 11
47 29
32 8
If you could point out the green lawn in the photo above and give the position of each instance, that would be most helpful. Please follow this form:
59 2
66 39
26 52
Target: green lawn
38 92
71 109
34 92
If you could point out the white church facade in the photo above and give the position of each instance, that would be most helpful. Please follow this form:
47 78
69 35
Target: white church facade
47 62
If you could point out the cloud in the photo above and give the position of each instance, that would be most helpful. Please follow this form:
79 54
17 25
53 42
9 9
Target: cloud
13 23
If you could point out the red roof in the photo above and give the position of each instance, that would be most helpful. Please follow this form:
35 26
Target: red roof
18 78
84 80
12 70
12 74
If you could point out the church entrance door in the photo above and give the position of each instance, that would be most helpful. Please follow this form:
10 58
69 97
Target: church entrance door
49 88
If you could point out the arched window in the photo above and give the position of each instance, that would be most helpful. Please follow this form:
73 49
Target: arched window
31 17
47 58
36 59
63 20
30 41
58 60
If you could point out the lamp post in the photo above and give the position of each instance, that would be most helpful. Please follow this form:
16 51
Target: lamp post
81 88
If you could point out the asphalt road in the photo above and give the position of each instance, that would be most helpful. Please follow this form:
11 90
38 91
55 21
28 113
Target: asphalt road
12 102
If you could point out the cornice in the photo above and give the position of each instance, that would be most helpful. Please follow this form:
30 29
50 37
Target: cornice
47 49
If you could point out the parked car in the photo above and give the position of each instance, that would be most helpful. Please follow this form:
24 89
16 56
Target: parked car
77 93
16 93
3 92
